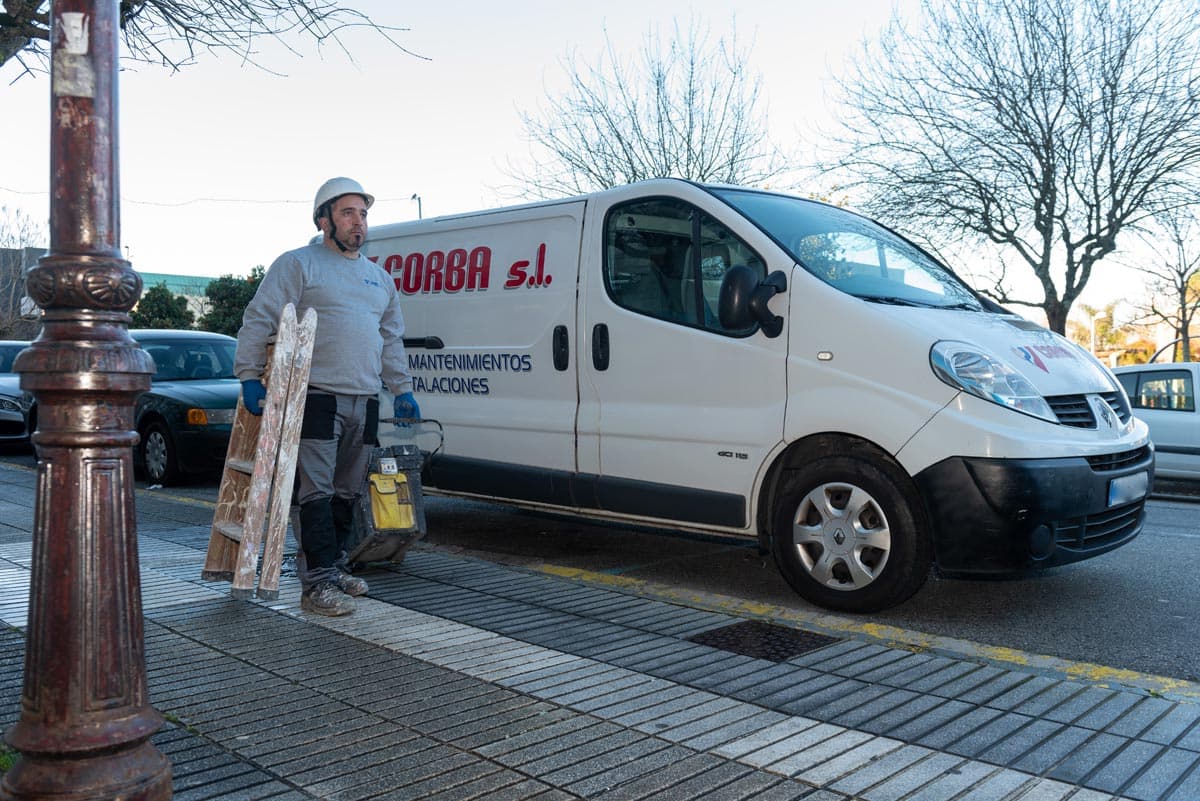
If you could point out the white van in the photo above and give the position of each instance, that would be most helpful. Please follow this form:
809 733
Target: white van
739 362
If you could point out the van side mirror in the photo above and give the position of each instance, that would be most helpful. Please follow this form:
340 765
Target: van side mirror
743 300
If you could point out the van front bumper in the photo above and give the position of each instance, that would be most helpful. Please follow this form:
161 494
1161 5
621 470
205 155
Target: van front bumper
1005 515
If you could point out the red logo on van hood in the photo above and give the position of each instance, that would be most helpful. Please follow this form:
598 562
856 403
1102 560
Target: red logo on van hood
1029 355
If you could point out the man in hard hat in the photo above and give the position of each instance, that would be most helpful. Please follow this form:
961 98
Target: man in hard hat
358 346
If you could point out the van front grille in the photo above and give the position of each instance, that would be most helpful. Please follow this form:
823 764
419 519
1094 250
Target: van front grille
1099 530
1116 402
1116 461
1072 410
1075 411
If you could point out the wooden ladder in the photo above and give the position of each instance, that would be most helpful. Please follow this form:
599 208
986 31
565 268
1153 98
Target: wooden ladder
260 465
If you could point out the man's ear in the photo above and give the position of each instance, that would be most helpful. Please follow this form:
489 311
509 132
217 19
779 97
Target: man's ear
323 224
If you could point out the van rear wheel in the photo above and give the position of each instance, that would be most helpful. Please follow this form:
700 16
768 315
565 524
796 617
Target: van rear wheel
848 534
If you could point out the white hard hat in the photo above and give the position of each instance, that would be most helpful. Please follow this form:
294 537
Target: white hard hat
334 188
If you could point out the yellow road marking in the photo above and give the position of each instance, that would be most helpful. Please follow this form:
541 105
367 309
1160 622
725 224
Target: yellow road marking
892 636
179 498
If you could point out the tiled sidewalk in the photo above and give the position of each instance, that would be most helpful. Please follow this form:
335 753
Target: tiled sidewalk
460 679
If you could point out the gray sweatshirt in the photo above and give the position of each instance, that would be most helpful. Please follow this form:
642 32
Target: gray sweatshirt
359 326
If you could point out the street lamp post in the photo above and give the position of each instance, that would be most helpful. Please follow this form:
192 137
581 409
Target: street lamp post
417 198
85 724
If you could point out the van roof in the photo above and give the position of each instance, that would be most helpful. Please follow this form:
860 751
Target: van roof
390 229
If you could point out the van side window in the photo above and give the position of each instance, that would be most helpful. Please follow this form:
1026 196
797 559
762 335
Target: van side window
665 258
1165 389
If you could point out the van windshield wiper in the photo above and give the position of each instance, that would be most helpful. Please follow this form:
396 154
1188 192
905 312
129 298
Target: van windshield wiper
895 300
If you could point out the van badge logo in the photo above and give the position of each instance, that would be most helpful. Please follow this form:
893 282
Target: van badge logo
839 537
1105 414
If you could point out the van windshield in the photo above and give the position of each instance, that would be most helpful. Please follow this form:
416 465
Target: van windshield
851 253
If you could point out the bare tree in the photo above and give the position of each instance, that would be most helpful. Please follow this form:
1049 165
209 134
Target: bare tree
1045 126
171 32
687 108
1172 270
21 239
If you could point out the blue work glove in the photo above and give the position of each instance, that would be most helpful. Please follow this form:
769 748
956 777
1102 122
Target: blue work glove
254 395
405 406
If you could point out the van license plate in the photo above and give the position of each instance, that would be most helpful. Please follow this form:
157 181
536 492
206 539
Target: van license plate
1128 489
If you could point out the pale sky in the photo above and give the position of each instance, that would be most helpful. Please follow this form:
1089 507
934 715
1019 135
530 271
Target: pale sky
219 162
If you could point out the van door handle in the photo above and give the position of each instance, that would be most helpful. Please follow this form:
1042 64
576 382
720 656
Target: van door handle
600 346
562 352
432 343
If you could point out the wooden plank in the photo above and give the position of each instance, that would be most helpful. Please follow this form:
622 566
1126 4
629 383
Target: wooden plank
231 529
265 455
222 553
285 464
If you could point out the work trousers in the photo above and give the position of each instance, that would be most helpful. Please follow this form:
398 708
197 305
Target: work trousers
336 438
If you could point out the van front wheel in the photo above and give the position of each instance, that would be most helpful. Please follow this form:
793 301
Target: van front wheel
848 534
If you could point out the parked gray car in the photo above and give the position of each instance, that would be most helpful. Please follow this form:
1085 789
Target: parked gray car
13 406
1163 395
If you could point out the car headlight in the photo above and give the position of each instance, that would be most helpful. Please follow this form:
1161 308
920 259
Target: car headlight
9 404
210 417
968 368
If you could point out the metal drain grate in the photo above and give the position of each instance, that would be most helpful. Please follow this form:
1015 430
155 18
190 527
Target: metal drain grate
761 640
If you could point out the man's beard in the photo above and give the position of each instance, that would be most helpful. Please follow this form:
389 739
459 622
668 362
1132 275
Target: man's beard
352 240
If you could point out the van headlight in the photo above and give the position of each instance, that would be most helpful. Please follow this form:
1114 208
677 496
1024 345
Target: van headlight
968 368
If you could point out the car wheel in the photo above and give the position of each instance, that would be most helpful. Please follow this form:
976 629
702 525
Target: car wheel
848 534
159 457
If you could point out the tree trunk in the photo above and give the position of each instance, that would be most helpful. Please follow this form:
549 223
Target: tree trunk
1056 316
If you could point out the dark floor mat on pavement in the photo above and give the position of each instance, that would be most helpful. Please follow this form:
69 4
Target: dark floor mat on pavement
761 640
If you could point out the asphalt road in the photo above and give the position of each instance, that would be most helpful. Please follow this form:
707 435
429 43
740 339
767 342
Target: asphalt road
1136 608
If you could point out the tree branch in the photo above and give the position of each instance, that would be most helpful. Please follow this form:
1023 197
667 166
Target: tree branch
171 32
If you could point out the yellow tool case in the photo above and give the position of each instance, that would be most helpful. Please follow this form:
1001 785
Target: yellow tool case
389 515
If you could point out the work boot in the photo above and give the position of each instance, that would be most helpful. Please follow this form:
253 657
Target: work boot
351 585
325 598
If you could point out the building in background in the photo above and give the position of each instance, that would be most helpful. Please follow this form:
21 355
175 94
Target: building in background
20 317
189 286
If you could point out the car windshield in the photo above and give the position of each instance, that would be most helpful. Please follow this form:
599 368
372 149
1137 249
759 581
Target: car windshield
190 359
852 253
